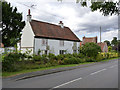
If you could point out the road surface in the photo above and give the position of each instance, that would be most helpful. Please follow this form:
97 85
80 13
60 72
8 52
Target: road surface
102 75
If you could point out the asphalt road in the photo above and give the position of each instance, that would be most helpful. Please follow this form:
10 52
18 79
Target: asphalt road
102 75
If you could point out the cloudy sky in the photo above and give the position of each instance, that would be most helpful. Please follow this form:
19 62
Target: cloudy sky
79 19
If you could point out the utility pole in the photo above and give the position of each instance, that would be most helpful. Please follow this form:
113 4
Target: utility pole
100 34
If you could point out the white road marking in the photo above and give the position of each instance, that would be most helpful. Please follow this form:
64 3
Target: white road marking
98 71
81 78
67 83
113 66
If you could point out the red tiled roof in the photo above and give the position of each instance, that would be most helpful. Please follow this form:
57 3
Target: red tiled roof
90 39
47 30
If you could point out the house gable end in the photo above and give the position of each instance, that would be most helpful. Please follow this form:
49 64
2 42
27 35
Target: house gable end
27 38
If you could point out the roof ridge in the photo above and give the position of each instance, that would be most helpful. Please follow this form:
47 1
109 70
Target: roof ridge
47 23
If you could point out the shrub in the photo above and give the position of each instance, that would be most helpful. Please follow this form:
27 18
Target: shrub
60 62
59 57
90 59
44 58
67 56
99 57
72 60
51 56
53 62
80 60
80 55
75 55
39 51
91 49
37 57
9 61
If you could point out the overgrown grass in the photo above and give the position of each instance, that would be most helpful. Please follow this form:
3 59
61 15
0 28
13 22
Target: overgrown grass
9 74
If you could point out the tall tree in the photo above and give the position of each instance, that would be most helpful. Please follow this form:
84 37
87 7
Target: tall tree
12 25
114 42
108 42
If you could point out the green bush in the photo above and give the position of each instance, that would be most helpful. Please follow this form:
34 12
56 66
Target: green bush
90 49
80 55
9 62
67 56
44 58
80 60
51 56
75 55
37 57
53 62
99 57
60 57
90 59
72 60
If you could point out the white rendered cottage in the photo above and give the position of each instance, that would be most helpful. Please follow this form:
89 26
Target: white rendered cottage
48 38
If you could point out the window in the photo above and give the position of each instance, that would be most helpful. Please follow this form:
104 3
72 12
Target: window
61 52
44 42
61 43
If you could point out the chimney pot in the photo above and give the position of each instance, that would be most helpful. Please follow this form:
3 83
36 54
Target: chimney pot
83 37
28 11
61 24
29 16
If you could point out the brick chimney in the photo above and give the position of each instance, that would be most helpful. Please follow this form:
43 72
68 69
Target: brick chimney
61 24
83 37
29 16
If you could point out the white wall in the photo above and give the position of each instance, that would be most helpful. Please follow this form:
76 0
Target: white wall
27 38
54 46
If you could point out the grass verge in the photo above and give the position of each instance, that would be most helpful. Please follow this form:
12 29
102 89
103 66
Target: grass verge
9 74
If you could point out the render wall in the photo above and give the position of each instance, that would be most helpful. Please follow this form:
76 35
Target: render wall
27 38
54 46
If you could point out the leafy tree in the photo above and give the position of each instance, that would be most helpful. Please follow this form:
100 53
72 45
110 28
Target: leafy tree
107 8
12 25
91 49
108 42
114 42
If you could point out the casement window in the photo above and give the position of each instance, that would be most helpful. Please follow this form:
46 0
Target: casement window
61 52
44 42
61 42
